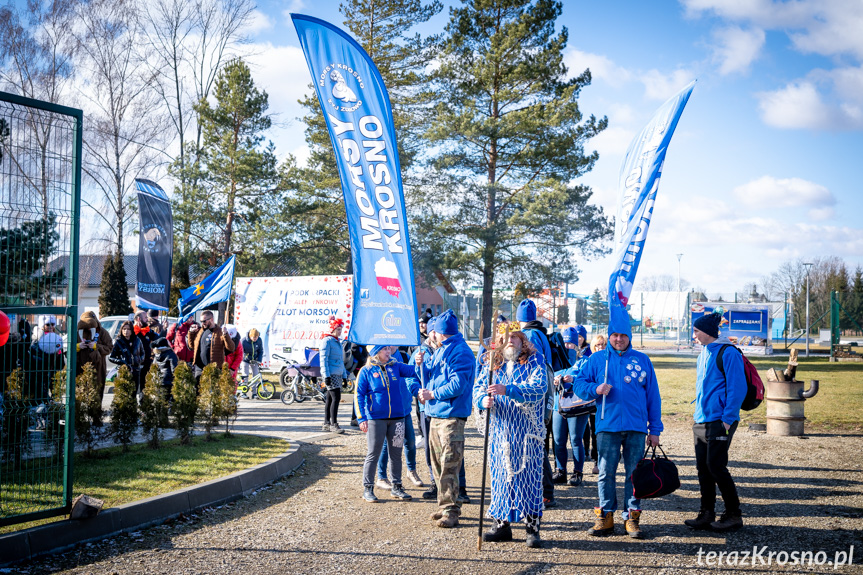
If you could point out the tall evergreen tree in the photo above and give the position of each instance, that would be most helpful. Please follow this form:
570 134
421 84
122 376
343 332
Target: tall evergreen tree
597 309
509 137
114 291
25 252
312 218
238 167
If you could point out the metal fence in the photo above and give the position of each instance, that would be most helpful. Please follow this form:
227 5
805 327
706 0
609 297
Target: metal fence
40 198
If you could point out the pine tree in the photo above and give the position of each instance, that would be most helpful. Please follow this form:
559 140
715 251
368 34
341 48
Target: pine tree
154 408
114 291
238 169
227 399
24 252
124 409
185 402
597 309
509 141
88 409
209 402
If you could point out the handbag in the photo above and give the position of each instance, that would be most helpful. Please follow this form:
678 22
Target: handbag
654 477
570 405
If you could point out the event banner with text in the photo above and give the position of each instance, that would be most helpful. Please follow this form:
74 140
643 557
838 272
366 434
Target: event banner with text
291 313
357 111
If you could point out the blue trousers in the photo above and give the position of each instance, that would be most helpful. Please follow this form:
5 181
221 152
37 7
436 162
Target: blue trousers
610 444
568 430
410 449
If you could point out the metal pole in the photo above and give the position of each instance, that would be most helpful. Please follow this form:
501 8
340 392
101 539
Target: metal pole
678 300
808 267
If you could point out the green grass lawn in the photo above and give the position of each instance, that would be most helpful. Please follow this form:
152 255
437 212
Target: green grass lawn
838 405
118 478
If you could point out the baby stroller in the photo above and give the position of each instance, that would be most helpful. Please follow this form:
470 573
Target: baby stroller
302 380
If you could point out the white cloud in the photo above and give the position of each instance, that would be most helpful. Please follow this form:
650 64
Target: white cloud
823 99
799 105
611 142
737 48
601 67
661 86
293 6
259 22
769 192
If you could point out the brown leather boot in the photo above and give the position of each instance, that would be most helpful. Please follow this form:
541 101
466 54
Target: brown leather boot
448 521
436 516
604 523
632 527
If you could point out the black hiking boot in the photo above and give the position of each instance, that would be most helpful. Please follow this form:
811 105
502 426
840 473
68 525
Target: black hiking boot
575 479
532 529
369 495
462 496
500 532
728 522
431 492
558 477
702 521
399 493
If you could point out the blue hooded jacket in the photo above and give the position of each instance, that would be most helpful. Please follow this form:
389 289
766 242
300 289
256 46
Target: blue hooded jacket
633 405
717 396
383 392
450 378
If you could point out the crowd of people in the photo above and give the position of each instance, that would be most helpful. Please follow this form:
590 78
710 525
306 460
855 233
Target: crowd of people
513 386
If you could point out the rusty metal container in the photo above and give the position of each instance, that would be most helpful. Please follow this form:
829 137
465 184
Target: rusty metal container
785 400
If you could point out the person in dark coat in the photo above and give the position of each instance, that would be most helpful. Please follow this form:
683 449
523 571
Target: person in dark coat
166 360
147 336
253 352
128 351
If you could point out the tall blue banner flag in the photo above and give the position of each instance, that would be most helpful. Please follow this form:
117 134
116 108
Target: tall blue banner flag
639 183
359 118
155 246
214 288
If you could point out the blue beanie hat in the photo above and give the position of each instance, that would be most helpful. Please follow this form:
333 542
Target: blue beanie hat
526 311
570 335
582 331
709 323
446 323
374 349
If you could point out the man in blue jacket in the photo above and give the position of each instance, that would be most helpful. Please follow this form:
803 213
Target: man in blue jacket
632 416
448 386
719 392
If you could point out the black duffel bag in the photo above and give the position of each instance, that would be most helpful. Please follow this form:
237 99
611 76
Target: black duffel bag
654 477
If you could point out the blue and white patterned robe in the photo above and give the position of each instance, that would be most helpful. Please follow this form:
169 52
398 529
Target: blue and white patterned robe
516 438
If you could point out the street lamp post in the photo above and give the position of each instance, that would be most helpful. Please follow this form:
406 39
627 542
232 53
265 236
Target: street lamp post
808 267
679 317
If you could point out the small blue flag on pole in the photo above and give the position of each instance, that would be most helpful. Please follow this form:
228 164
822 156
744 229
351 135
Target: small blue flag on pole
639 183
213 289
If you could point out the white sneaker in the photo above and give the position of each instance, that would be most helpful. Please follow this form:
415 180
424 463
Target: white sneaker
383 483
415 478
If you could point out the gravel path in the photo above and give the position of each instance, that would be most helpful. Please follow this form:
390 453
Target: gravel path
799 494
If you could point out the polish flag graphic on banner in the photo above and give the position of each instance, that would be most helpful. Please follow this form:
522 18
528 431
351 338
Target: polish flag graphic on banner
388 276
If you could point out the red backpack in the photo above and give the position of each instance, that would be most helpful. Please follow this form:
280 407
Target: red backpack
754 385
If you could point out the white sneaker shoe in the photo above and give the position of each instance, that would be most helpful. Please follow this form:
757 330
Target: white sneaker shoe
415 478
383 483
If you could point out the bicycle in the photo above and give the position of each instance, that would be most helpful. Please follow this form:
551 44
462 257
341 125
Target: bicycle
257 386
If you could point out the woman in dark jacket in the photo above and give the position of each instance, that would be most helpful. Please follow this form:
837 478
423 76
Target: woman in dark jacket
166 360
129 351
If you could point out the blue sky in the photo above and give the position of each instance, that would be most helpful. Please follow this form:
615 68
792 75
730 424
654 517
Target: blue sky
765 165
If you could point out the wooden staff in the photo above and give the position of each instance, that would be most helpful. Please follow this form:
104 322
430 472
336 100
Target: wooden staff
492 354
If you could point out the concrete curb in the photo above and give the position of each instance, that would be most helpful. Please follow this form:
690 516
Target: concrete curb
63 535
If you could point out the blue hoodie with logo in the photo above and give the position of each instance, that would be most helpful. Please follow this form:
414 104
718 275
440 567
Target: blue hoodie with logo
717 396
383 392
449 376
633 404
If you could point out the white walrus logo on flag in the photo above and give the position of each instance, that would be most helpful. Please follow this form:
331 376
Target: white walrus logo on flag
388 276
